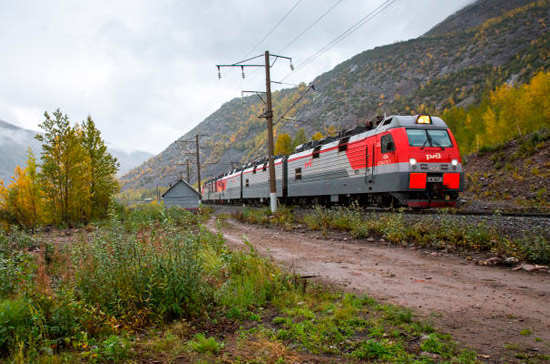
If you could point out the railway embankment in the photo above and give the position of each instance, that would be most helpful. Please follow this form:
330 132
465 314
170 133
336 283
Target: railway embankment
513 176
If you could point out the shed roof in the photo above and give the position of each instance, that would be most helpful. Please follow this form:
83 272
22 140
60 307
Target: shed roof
186 184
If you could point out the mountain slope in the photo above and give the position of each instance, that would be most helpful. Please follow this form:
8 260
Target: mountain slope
453 64
15 141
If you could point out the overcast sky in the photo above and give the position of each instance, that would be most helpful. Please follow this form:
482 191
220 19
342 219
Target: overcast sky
145 70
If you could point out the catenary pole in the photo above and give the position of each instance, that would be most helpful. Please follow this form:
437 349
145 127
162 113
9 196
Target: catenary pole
269 117
268 113
198 164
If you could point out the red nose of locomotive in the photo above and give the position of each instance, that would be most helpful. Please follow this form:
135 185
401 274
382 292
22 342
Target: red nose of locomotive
435 175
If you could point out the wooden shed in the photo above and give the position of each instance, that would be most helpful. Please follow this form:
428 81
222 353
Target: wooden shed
181 194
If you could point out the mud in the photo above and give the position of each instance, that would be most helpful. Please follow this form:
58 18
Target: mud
484 308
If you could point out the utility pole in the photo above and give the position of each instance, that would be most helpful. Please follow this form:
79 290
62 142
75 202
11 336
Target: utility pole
198 164
268 114
197 154
188 165
269 117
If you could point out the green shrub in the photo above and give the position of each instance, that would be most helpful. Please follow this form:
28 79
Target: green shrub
114 349
433 345
16 323
17 272
202 344
372 350
136 277
253 282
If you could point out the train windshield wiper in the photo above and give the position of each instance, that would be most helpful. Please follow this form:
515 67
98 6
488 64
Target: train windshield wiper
426 141
438 145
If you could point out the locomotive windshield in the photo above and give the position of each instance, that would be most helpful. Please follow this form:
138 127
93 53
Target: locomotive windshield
429 138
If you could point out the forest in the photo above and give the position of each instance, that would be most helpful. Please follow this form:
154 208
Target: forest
504 113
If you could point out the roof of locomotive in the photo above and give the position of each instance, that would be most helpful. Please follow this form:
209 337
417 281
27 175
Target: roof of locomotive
399 121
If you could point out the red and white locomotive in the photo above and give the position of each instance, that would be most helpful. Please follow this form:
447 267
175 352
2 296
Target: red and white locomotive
409 161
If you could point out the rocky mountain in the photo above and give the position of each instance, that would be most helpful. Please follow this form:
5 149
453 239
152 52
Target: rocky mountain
15 141
481 46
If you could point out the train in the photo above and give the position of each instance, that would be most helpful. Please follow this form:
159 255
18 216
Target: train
399 160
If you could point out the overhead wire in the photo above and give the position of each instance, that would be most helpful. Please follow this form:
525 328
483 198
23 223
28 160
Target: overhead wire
274 27
310 87
371 15
308 28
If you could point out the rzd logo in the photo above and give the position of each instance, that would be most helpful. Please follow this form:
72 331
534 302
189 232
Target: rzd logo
308 163
433 156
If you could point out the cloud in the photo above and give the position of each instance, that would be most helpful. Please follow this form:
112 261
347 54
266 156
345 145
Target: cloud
145 70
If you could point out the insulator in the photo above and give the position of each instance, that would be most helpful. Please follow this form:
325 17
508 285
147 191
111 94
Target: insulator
291 66
242 71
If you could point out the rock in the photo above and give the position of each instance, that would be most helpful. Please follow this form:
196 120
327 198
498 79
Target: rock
532 268
511 261
430 355
490 261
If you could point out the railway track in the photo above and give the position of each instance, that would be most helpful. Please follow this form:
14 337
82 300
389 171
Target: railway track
442 212
494 213
513 224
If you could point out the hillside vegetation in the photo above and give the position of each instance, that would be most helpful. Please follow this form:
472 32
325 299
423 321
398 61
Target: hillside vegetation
453 65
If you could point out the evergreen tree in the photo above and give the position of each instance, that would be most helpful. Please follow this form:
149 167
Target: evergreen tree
299 138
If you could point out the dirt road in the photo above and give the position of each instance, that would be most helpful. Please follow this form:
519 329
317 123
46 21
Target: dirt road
485 308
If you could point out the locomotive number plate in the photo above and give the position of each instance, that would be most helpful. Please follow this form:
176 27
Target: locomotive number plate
435 179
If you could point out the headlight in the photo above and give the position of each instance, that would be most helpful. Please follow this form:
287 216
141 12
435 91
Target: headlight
454 162
412 161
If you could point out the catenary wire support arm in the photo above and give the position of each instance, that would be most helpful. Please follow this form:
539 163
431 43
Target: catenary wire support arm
268 115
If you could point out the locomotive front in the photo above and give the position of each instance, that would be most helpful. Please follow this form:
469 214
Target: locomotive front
434 168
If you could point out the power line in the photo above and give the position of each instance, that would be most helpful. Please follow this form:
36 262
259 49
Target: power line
274 27
308 28
371 15
310 87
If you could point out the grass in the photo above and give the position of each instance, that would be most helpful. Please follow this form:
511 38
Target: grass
202 344
153 284
440 232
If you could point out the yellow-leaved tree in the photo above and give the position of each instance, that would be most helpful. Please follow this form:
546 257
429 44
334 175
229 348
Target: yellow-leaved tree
21 201
283 145
77 174
317 136
102 168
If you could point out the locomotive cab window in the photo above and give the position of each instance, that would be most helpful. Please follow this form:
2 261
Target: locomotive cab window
316 152
343 145
298 174
264 167
429 138
387 144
